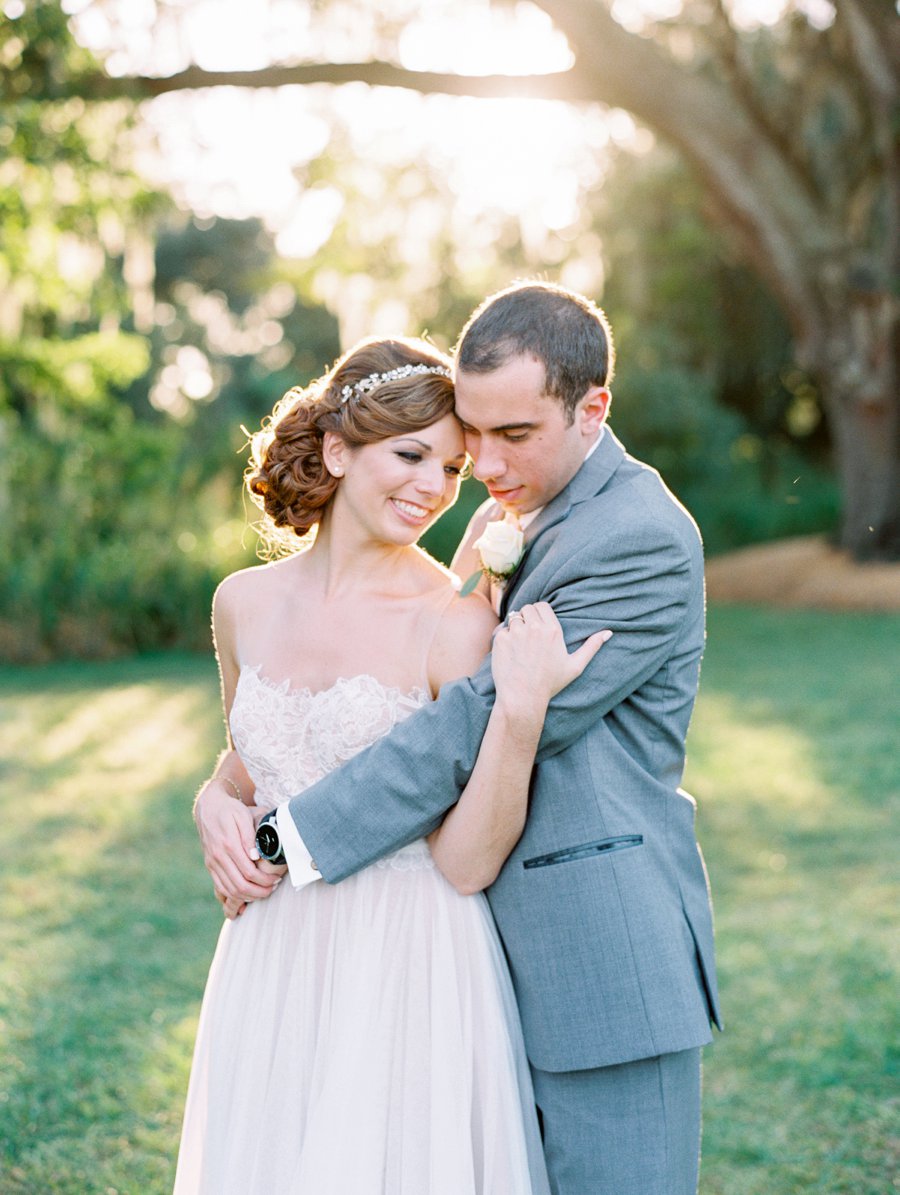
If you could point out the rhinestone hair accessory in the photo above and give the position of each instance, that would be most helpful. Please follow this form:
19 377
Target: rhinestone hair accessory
364 385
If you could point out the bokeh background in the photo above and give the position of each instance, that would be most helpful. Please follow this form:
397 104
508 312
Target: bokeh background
202 202
191 224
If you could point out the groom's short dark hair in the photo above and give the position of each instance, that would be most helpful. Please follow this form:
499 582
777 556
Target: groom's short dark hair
568 333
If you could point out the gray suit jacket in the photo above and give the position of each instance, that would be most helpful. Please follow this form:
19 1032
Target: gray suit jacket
603 905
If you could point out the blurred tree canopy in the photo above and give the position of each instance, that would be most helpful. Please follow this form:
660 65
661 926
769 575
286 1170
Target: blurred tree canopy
790 131
137 339
706 388
119 317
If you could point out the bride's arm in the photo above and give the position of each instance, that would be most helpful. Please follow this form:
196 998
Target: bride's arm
530 664
227 827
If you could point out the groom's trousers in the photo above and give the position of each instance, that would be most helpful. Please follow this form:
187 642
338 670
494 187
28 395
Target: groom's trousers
632 1129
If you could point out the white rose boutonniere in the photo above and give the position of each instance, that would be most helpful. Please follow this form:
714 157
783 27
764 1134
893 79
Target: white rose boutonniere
500 547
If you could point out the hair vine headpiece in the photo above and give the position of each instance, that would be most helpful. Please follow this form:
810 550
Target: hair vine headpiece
364 385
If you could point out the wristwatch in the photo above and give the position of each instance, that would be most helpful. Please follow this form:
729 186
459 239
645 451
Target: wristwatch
268 840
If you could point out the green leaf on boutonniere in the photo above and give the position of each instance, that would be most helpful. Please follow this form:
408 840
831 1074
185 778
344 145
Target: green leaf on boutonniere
470 584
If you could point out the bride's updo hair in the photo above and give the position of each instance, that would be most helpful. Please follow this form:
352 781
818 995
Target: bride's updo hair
287 477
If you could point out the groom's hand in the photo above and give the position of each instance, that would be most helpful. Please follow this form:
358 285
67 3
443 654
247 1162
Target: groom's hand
227 829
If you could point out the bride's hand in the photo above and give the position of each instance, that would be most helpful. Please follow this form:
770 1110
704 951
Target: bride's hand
529 659
236 906
232 906
227 830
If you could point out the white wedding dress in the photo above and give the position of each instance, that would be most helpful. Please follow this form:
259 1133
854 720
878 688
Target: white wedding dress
358 1038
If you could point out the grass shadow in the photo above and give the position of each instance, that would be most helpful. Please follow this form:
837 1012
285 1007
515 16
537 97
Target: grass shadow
789 759
107 922
108 927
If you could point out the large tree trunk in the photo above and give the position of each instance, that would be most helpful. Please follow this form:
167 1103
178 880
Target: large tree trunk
859 388
825 242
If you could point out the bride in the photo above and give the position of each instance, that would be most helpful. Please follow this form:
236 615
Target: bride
362 1038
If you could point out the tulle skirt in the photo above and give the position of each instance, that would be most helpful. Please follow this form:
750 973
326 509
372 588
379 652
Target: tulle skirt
361 1039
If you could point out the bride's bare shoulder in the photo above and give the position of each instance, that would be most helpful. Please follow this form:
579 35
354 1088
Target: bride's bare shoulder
460 617
250 586
462 639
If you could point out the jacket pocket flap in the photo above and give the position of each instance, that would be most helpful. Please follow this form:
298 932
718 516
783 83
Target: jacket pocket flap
585 850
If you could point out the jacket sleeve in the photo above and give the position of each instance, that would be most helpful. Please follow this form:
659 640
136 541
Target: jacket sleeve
644 588
399 788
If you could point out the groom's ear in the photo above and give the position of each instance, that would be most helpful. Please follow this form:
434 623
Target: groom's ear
593 410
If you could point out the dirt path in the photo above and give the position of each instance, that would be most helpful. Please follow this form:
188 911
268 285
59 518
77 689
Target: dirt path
804 572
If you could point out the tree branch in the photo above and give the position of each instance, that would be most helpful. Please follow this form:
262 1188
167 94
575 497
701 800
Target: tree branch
871 46
561 85
726 47
781 223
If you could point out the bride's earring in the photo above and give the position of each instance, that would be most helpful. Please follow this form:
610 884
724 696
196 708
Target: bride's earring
333 449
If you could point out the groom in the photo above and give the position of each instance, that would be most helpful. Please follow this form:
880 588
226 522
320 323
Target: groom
603 905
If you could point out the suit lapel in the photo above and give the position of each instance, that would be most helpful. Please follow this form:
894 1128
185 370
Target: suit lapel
588 481
554 512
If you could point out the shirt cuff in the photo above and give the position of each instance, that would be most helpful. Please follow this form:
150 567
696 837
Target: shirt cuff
302 869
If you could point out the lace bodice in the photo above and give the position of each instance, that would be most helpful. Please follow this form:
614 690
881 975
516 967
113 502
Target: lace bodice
290 738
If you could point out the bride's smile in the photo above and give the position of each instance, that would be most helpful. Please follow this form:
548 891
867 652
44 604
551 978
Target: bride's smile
393 490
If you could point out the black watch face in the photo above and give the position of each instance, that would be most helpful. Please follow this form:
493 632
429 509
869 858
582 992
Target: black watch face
267 840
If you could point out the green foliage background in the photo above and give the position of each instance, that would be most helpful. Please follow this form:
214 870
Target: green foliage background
137 341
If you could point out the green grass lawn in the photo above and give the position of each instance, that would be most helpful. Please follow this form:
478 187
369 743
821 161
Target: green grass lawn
107 921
